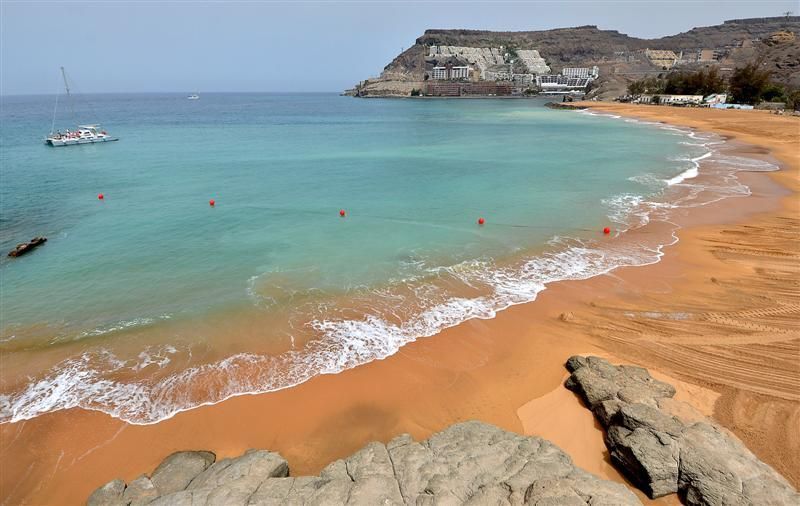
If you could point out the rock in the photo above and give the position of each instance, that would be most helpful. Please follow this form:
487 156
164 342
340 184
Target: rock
575 362
566 317
652 461
140 491
716 468
109 494
634 416
562 105
606 410
258 464
473 462
597 381
27 247
181 498
666 454
303 490
179 469
372 473
469 463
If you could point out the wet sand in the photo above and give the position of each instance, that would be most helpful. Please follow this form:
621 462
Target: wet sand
719 313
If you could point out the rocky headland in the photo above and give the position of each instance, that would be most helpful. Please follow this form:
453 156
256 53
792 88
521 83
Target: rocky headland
772 41
663 445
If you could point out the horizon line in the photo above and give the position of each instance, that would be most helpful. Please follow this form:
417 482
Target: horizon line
164 92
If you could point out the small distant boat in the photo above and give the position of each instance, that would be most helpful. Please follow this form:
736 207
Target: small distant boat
83 134
193 96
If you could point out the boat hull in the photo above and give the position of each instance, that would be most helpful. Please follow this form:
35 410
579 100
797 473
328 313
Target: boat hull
74 142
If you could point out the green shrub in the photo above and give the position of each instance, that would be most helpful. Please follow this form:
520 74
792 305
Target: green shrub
748 83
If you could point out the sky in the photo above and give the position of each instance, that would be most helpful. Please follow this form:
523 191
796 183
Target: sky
206 46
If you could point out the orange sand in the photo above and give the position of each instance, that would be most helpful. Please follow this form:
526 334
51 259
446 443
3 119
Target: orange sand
733 278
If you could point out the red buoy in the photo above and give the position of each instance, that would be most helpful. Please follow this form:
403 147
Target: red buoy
342 213
606 230
481 221
100 196
211 202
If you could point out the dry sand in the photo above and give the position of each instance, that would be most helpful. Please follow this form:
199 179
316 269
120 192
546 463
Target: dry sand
719 313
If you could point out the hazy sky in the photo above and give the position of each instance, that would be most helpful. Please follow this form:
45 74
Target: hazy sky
113 46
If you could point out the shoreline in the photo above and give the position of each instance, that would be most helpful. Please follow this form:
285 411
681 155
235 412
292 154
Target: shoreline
523 276
484 369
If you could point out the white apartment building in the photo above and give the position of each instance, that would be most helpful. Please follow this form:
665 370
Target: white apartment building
450 73
553 83
583 72
671 99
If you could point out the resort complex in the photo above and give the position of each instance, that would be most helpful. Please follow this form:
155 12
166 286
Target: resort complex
452 71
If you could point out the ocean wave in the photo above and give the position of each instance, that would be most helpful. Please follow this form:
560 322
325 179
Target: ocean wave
341 344
114 327
276 287
690 173
746 164
649 181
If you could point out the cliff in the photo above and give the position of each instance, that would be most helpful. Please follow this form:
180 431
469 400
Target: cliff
621 58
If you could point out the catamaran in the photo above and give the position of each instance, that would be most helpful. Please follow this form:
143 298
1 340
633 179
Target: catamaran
83 134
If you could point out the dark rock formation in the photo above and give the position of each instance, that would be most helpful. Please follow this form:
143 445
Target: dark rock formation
27 247
564 105
468 463
664 453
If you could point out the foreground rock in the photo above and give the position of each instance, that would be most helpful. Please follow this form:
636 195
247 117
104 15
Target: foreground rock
468 463
27 247
664 453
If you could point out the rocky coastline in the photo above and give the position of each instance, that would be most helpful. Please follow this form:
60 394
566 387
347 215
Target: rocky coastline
467 463
663 445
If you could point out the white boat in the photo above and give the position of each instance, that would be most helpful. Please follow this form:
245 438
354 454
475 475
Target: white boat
83 134
193 96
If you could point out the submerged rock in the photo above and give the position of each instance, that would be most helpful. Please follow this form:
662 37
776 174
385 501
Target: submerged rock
565 105
27 247
468 463
665 454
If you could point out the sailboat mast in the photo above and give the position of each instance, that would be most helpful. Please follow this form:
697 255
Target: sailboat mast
69 97
66 84
55 109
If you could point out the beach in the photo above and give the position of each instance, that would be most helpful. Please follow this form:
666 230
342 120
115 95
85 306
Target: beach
718 315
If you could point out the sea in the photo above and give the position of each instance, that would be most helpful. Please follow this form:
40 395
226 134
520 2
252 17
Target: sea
151 301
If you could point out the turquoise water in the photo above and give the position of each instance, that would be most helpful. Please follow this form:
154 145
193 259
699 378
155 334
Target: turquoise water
151 271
